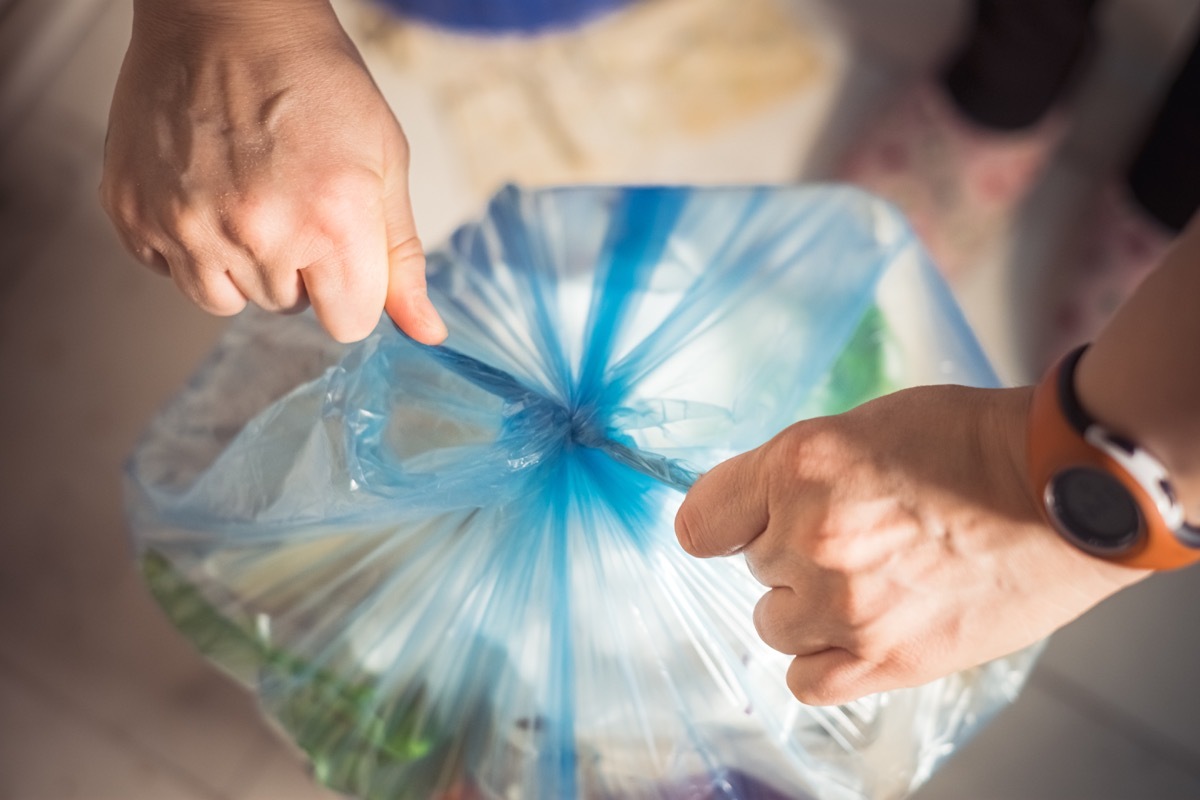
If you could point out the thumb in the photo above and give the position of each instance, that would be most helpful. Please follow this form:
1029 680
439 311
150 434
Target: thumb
407 302
725 509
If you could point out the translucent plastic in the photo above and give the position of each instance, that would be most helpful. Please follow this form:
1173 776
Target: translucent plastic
452 572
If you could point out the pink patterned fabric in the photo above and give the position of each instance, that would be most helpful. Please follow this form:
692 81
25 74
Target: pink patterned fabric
958 183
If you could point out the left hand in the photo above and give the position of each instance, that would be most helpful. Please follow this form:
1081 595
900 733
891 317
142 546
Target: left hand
900 541
251 157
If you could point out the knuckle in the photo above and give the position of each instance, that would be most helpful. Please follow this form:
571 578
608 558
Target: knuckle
257 223
846 537
870 642
848 603
784 453
344 200
802 455
188 226
275 286
868 617
408 250
407 264
818 448
827 546
870 647
199 287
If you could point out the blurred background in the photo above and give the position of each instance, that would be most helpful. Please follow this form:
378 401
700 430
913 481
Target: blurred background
99 698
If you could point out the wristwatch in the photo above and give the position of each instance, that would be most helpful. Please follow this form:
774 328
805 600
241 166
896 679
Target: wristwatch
1100 490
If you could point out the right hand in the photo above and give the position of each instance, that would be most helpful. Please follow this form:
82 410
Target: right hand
898 542
251 157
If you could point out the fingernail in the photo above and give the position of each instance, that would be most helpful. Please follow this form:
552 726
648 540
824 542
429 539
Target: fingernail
434 326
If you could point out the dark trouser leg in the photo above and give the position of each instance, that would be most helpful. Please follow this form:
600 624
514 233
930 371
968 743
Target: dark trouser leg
1165 176
1018 59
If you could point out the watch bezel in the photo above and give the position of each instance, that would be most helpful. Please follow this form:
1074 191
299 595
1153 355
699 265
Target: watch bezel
1053 501
1061 436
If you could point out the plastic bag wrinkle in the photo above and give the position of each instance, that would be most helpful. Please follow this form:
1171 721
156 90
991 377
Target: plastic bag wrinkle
454 569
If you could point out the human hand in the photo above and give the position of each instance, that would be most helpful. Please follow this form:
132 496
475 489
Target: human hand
251 157
900 541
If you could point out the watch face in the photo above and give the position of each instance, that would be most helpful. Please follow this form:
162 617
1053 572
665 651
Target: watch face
1095 509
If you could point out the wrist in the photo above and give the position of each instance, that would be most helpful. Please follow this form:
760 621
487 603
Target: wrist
264 24
1102 490
1005 487
1002 444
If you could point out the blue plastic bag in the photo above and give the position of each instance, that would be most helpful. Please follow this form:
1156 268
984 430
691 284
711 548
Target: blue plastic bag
452 572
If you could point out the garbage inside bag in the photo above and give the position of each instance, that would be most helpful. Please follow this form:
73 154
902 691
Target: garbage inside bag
452 572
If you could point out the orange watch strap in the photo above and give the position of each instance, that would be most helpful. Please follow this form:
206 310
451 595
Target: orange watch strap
1055 444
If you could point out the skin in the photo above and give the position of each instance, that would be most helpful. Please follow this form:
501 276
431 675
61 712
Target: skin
251 157
902 541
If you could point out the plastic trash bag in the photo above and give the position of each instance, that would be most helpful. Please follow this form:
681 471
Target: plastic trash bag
452 572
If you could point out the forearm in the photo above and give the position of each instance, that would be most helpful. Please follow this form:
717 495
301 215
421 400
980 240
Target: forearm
1141 377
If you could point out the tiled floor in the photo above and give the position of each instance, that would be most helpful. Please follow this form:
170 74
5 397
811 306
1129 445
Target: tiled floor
100 699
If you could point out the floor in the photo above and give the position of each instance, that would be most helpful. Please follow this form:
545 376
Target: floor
100 699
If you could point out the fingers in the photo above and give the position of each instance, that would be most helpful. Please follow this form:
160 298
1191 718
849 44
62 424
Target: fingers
407 302
786 624
209 287
726 509
282 293
832 677
122 209
221 280
148 255
277 287
348 288
341 237
183 246
218 263
217 294
828 668
154 260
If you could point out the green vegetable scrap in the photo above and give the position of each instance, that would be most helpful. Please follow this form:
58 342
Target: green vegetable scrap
358 741
863 370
